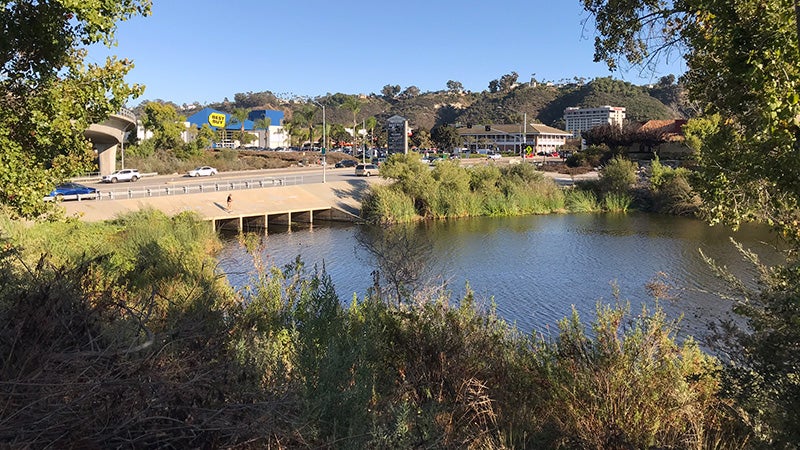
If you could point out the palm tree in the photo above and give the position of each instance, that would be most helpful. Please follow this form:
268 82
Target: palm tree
353 105
263 124
305 116
371 123
240 115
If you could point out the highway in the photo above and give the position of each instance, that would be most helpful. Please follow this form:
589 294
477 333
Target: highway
176 184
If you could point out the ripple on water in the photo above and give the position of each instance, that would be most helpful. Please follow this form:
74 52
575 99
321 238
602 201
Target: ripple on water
536 267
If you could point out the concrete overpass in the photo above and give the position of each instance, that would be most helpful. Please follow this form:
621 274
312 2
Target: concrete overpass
254 208
107 136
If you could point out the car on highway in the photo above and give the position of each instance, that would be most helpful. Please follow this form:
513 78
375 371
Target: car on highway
205 171
122 175
72 191
366 170
345 163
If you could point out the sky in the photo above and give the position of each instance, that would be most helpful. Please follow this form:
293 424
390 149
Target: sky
207 50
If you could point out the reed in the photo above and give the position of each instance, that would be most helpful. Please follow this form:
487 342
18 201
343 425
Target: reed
617 202
580 201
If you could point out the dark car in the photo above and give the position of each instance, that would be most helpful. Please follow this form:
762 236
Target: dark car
345 163
72 191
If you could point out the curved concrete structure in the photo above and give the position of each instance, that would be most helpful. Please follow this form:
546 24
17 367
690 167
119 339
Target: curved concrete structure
108 135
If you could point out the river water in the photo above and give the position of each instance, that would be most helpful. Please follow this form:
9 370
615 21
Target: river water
533 268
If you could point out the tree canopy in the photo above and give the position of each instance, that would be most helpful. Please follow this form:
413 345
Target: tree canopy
50 94
743 73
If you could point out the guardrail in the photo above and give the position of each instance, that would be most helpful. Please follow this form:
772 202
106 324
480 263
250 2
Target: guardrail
162 191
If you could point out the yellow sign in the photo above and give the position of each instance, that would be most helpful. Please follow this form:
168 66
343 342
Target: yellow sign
216 120
528 150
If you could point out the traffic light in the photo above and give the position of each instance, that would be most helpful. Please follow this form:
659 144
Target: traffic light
488 128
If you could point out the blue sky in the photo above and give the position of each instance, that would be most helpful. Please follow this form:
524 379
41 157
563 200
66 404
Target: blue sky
204 50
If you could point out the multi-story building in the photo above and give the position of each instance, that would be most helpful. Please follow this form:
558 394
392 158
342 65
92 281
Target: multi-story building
514 137
582 119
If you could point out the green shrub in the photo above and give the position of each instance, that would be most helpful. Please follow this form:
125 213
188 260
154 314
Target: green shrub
631 385
615 202
671 191
618 175
387 204
579 200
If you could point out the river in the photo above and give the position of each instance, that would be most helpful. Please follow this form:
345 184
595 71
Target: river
534 268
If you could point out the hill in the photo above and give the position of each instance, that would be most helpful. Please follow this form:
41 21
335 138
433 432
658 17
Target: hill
541 102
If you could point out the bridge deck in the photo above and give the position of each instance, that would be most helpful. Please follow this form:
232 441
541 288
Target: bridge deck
282 203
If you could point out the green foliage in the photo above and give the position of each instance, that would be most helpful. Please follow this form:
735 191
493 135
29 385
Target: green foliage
139 301
672 192
618 175
631 385
165 123
49 95
452 191
387 204
580 200
617 202
742 59
445 137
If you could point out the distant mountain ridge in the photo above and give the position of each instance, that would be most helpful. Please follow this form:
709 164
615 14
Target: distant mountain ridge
541 102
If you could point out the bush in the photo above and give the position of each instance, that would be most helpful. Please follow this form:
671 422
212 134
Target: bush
387 204
579 200
614 202
144 334
618 175
671 191
631 385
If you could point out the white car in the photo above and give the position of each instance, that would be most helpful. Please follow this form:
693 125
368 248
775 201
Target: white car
493 155
122 175
204 171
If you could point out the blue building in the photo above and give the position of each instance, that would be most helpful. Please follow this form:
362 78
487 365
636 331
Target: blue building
274 137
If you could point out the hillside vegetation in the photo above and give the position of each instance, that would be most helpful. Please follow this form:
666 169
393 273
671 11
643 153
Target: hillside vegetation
542 102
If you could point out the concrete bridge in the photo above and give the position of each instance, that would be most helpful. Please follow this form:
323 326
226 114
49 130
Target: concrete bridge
107 136
253 209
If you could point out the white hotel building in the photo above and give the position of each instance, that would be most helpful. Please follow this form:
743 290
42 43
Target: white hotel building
582 119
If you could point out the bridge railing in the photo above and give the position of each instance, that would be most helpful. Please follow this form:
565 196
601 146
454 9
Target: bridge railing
125 112
231 185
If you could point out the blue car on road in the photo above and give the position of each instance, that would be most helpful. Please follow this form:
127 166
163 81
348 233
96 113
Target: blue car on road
72 191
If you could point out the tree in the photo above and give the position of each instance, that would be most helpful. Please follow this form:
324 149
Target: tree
445 137
263 124
508 81
165 123
390 91
494 86
455 87
410 92
370 123
742 59
353 105
239 115
421 138
305 118
49 94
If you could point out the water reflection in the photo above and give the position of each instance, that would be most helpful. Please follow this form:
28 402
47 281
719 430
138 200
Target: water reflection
533 268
